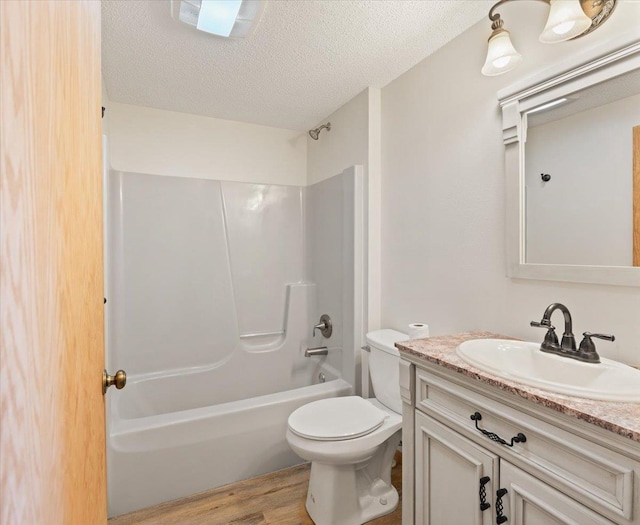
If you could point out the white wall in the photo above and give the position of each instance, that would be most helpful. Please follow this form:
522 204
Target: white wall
345 145
354 139
443 179
583 215
158 142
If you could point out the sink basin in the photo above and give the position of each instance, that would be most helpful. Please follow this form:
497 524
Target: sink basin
523 362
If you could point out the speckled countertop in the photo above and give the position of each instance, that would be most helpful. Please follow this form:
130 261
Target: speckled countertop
621 418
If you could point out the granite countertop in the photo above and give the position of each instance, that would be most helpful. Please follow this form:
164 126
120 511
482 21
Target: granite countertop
621 418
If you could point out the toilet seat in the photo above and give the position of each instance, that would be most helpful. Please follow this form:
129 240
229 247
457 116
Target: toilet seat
336 419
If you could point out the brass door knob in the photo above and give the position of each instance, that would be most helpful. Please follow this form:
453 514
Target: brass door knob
119 380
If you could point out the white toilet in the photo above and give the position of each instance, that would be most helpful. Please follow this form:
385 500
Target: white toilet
351 443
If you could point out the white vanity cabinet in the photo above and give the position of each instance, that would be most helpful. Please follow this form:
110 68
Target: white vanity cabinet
566 472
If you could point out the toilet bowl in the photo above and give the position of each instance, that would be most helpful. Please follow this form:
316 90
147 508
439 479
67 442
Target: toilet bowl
351 443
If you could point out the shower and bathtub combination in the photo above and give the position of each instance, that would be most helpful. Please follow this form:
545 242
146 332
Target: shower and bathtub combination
213 291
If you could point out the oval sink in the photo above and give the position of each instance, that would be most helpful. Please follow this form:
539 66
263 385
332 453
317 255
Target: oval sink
523 362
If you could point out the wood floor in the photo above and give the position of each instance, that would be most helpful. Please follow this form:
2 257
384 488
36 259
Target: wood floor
273 499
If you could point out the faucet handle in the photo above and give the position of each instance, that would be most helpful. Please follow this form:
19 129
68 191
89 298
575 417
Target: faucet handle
550 338
587 351
606 337
325 326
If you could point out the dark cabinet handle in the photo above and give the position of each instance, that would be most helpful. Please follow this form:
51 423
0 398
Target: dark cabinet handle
500 518
484 504
519 438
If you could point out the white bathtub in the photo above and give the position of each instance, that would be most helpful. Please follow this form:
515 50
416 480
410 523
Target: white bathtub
156 454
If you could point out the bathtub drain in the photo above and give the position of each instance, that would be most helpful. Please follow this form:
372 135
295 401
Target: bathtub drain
321 377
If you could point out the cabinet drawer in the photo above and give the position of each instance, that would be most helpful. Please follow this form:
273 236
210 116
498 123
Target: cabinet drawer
600 478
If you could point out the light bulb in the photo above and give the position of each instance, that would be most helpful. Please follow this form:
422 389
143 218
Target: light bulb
499 63
563 28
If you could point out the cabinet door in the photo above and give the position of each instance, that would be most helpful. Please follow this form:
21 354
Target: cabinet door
529 501
449 470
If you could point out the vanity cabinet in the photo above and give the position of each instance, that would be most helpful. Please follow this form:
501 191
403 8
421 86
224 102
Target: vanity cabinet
566 471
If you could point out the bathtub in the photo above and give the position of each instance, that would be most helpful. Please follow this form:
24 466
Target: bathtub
158 451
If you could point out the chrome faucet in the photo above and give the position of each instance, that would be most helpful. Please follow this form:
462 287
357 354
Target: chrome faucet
567 348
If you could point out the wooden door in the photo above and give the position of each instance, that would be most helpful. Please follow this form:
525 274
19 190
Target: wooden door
529 501
52 441
636 195
448 474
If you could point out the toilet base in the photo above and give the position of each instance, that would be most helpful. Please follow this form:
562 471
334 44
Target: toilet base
355 493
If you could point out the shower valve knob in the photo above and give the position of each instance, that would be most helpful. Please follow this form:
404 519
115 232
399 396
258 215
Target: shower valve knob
119 380
325 326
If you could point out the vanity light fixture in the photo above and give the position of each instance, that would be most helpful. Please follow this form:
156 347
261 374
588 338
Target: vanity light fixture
568 19
226 18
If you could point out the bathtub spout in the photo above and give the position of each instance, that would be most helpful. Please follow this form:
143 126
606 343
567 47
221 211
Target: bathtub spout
319 350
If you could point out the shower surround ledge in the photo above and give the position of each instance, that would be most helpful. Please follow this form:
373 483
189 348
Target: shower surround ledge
619 418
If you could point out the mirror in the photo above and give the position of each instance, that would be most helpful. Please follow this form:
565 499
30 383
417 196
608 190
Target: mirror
572 159
578 172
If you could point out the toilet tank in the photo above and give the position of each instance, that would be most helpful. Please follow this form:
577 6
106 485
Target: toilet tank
384 363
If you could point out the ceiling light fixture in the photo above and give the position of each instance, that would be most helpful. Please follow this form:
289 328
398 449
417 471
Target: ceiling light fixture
568 19
226 18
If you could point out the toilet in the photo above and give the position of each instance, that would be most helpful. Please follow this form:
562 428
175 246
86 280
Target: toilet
351 443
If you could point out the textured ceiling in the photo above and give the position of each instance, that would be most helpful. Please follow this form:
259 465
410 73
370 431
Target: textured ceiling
304 60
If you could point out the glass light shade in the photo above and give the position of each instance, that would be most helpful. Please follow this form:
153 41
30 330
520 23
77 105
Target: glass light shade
218 16
501 55
566 20
226 18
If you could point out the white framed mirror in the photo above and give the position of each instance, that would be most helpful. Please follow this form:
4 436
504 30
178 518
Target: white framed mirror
572 162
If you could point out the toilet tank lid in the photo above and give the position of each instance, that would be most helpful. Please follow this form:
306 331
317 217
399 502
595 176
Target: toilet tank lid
385 340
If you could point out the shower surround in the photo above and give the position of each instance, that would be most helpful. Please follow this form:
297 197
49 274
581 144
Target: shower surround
213 289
